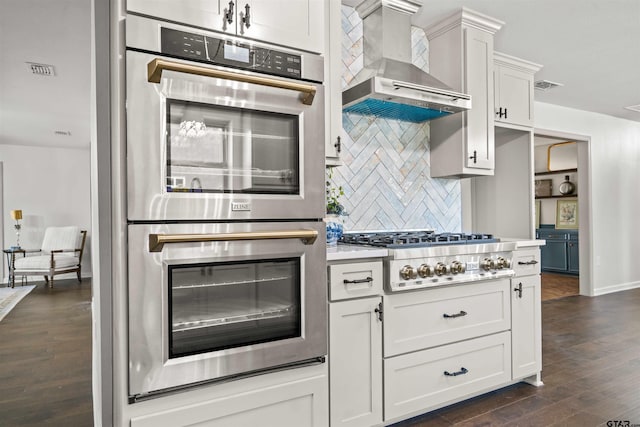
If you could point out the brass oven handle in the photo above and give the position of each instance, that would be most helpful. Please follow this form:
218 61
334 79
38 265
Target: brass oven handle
155 68
157 241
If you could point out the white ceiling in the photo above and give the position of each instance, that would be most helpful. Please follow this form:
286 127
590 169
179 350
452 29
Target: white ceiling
590 46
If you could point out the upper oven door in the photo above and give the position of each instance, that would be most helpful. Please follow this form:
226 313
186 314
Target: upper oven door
214 143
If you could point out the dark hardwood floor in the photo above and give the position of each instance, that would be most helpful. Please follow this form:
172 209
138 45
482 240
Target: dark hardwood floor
591 358
45 358
591 371
559 285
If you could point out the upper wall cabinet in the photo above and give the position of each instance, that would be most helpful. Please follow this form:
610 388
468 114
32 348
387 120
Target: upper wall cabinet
461 55
294 23
513 84
333 83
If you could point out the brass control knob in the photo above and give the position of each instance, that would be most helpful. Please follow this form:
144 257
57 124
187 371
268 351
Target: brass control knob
440 269
503 263
408 273
487 264
425 271
458 267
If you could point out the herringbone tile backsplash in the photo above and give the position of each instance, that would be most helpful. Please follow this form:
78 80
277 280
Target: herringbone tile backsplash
385 176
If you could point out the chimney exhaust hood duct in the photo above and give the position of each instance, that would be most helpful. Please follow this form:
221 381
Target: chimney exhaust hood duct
389 85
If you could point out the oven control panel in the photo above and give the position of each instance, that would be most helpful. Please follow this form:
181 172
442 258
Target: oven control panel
204 48
410 274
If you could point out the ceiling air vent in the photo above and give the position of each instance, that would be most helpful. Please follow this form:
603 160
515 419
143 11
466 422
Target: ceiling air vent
545 85
635 108
41 69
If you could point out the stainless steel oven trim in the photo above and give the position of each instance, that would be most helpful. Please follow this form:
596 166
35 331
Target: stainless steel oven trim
158 65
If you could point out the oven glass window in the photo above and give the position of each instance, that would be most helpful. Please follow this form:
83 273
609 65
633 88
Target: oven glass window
216 306
222 149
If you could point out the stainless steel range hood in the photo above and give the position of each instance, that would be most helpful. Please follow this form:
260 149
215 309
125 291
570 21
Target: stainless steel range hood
389 85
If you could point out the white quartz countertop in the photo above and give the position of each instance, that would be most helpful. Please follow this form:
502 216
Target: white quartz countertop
346 252
525 243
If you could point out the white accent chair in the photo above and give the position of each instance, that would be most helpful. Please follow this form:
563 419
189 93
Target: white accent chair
61 252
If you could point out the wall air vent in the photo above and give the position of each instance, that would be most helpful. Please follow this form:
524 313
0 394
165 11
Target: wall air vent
41 69
635 108
545 85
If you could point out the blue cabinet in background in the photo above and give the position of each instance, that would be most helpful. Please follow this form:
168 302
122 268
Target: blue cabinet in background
572 254
560 254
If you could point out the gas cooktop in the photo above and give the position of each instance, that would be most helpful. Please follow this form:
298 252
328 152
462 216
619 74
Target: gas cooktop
415 239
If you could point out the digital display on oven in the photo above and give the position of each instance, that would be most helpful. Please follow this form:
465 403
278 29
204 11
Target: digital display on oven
236 53
213 50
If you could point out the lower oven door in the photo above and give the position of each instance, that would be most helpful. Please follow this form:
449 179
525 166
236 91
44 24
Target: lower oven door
213 301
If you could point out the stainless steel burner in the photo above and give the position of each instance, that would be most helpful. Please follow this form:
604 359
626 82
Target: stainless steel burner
415 239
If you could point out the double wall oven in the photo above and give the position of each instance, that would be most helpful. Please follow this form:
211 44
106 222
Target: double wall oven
225 197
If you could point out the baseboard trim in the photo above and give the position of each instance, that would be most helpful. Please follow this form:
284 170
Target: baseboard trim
616 288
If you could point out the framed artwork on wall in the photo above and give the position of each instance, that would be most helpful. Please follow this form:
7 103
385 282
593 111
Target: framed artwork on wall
567 213
543 187
538 207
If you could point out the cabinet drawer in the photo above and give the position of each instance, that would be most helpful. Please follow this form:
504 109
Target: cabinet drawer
526 262
419 320
423 380
354 280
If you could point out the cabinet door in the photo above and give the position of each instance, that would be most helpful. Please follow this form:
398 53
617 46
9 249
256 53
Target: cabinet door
333 83
513 96
573 257
209 14
294 403
478 48
461 56
355 363
294 23
554 256
526 326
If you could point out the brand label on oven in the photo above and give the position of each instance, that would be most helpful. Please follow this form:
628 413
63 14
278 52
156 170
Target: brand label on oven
240 206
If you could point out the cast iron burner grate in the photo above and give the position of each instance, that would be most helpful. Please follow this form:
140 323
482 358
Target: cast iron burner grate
415 239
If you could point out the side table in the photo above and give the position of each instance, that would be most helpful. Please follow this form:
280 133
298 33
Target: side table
11 259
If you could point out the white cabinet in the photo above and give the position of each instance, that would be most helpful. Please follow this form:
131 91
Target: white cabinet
418 320
513 84
282 399
209 14
420 381
333 83
355 280
355 362
461 55
355 343
526 323
293 23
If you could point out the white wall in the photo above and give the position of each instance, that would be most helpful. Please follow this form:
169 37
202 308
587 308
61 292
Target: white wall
615 191
51 186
